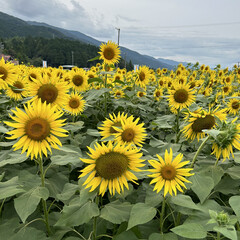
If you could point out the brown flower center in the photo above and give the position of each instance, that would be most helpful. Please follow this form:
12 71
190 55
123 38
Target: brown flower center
74 103
235 105
117 124
168 172
4 73
31 76
47 92
128 135
206 122
37 129
111 165
141 94
77 80
225 89
18 86
158 94
181 96
108 53
142 76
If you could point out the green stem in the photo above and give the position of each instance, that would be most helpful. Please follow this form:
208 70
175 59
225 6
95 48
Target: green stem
179 215
198 151
44 203
178 133
162 214
94 234
216 163
218 235
105 97
1 207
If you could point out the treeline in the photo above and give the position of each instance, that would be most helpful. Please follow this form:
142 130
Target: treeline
57 51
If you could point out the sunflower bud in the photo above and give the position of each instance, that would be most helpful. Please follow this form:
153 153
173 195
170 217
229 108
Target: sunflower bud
222 218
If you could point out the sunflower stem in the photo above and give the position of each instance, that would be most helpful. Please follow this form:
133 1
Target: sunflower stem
178 133
44 203
162 214
216 163
218 235
105 96
198 151
94 234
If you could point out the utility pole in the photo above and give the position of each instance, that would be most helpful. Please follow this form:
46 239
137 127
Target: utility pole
72 57
118 29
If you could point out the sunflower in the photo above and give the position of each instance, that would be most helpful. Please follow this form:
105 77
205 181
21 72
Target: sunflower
37 128
107 129
143 76
7 73
200 120
182 96
141 94
18 89
74 104
111 167
226 90
33 74
131 132
79 80
109 53
233 106
158 93
169 173
229 136
118 94
50 90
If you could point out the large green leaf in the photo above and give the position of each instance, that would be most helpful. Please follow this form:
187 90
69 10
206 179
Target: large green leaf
94 94
116 212
184 201
159 236
227 231
129 235
68 191
234 172
215 172
27 203
66 159
202 186
75 215
190 230
10 188
29 233
234 203
141 213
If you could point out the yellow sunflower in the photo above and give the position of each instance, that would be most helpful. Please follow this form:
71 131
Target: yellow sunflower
233 106
181 97
158 93
200 120
131 132
169 173
141 94
7 73
143 76
118 94
226 90
228 138
109 53
33 74
18 89
50 90
37 128
107 129
79 80
111 166
74 104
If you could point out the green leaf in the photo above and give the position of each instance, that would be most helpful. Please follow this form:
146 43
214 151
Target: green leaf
66 159
7 144
74 126
234 172
190 230
13 158
159 236
75 215
184 201
10 188
227 231
234 203
215 172
27 203
3 129
213 214
94 94
68 191
116 212
93 132
141 213
212 132
202 186
126 236
29 234
91 80
93 59
119 81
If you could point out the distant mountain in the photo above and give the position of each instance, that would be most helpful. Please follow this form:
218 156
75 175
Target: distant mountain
11 26
171 62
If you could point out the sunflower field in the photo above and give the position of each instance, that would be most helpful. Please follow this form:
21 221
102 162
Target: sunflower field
149 154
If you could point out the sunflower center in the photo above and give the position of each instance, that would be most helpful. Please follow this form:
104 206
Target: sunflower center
37 129
192 84
117 78
74 103
161 83
142 76
3 72
117 124
228 79
77 80
203 123
48 93
18 86
157 94
111 165
108 53
235 105
128 135
225 89
141 94
31 76
181 96
168 172
90 76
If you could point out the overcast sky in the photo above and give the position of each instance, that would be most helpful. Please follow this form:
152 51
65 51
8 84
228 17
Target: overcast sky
207 31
